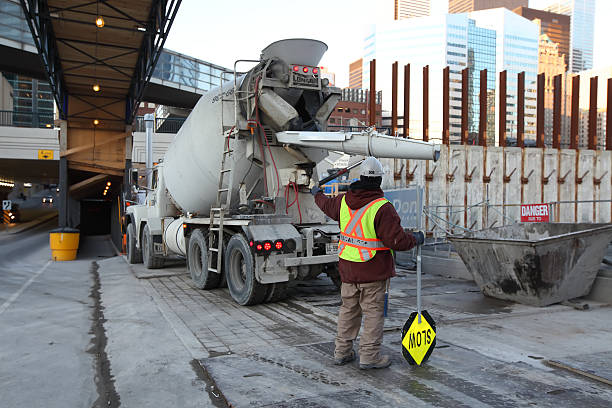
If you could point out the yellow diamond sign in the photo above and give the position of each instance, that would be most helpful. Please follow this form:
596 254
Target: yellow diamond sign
45 155
418 339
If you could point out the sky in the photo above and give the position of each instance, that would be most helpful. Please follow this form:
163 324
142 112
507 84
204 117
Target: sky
220 32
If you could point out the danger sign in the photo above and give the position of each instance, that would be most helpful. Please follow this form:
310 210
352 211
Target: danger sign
418 339
534 213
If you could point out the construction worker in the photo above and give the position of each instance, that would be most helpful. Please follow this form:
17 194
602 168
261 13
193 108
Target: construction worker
370 229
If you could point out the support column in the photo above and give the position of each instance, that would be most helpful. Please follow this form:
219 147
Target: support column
407 100
394 98
520 110
557 112
575 115
446 106
503 96
464 105
609 117
593 115
540 111
482 119
373 93
426 103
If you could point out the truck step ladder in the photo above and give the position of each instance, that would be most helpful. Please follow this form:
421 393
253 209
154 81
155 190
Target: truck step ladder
218 212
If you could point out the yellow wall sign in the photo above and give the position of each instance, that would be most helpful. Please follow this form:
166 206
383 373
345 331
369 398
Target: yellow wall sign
418 339
45 155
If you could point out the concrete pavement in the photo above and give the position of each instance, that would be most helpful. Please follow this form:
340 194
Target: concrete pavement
98 332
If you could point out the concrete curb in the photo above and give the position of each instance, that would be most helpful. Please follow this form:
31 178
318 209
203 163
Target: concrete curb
29 225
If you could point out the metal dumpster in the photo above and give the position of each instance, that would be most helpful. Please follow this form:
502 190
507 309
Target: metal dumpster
535 264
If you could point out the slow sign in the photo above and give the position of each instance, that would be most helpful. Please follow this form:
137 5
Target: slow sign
418 338
534 213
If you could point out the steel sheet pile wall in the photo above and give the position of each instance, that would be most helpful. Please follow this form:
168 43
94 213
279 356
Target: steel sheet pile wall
505 177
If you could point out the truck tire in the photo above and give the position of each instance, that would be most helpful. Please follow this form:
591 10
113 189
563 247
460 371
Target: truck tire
240 273
134 256
276 292
148 257
197 262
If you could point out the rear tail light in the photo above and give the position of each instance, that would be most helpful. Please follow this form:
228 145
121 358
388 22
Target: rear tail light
315 71
267 246
296 68
278 245
305 69
259 247
251 243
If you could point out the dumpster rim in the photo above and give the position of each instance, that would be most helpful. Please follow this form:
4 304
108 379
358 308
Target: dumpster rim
547 240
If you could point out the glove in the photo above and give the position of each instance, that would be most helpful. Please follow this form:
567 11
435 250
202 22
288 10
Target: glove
419 237
315 190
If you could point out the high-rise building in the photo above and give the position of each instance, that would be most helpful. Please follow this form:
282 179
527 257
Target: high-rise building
556 26
491 39
411 8
582 15
465 6
356 74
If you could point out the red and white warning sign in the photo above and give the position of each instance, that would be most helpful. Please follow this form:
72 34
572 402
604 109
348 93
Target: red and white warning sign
534 213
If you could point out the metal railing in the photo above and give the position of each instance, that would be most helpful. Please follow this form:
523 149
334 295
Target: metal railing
162 125
26 119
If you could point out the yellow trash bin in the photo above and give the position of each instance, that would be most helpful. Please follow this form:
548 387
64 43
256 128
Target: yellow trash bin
64 244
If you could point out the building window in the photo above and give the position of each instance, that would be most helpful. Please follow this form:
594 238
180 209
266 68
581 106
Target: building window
332 120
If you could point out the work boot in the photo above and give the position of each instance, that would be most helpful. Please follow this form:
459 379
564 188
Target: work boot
384 362
345 359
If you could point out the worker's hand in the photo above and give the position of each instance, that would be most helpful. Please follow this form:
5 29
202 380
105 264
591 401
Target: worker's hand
315 190
419 237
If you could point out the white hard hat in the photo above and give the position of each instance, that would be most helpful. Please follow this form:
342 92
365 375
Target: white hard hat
371 167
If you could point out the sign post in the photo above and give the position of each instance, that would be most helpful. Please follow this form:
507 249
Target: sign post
419 332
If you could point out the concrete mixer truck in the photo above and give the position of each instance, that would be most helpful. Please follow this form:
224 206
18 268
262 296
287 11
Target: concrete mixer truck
232 192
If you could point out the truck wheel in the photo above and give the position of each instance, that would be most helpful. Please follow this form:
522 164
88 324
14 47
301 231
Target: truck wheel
150 260
276 292
197 261
134 256
240 273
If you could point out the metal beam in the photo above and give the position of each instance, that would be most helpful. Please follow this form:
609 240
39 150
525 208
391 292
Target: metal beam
575 115
482 118
557 111
38 17
407 100
464 104
426 103
372 101
503 103
446 106
160 21
394 98
593 115
540 110
609 117
520 110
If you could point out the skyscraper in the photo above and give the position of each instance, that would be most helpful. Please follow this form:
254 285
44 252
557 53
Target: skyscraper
556 26
582 14
492 39
356 74
464 6
411 8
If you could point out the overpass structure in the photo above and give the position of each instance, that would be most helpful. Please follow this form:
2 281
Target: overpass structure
99 58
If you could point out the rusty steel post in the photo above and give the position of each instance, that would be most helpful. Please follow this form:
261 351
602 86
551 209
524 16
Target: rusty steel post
373 92
394 98
482 120
426 103
540 110
406 100
609 117
556 136
593 115
464 105
446 106
575 115
520 110
503 96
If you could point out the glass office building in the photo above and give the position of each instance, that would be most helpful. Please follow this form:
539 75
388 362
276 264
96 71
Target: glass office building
582 14
190 72
517 43
492 39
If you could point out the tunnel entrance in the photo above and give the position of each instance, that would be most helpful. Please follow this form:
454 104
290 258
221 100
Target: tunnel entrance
95 217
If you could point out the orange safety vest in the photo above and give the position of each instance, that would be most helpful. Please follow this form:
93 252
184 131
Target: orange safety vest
358 240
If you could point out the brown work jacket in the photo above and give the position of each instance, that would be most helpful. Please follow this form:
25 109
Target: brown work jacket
388 230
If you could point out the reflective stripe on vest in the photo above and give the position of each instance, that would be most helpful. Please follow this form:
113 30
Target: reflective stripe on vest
358 240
